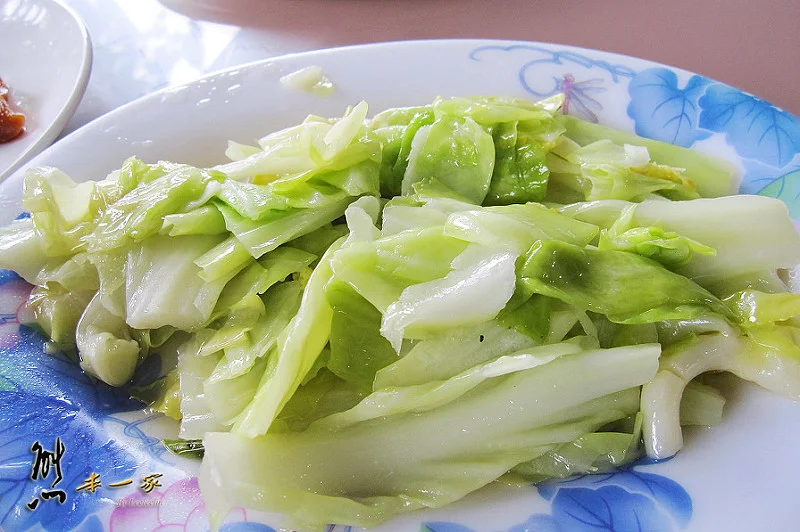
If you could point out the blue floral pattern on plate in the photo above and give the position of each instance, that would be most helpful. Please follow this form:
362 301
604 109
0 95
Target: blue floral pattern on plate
629 500
757 129
766 137
581 93
44 397
664 111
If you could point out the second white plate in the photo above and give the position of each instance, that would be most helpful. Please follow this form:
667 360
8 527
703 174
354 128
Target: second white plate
45 59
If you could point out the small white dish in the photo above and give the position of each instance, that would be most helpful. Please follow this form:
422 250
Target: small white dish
45 59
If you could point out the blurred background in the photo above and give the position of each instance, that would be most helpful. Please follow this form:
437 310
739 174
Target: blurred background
143 45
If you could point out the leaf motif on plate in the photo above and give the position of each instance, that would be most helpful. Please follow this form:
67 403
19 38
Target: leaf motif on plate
662 110
609 508
666 492
755 128
787 189
44 397
621 499
25 367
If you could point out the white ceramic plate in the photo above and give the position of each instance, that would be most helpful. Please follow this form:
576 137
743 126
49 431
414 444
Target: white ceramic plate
740 476
45 59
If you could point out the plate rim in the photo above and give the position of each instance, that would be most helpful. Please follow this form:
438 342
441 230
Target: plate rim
147 99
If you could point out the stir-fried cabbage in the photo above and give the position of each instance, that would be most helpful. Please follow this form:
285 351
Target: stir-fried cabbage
363 317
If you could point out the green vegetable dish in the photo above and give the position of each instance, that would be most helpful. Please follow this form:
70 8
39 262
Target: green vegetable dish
364 317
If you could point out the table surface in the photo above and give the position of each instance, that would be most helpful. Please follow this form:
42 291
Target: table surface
143 45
